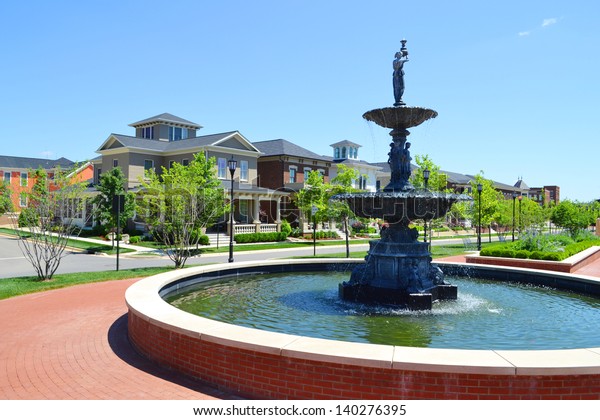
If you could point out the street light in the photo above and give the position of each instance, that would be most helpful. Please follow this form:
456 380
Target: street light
514 197
520 214
479 189
231 164
426 173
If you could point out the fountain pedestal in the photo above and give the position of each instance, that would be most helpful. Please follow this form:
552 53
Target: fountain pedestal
398 271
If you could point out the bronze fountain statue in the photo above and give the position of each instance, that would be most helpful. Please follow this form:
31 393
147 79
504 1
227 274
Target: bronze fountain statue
398 268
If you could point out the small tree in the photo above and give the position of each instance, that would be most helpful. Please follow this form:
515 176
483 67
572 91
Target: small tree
6 204
112 183
50 217
314 194
569 215
487 202
179 203
342 184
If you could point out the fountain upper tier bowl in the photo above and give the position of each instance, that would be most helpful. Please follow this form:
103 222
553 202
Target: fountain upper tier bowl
401 205
400 117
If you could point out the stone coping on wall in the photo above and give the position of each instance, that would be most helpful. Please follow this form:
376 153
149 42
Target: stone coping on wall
145 302
568 265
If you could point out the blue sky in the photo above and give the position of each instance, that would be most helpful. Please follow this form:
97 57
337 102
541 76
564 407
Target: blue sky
515 83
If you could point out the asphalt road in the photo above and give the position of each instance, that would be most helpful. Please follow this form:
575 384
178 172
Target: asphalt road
13 264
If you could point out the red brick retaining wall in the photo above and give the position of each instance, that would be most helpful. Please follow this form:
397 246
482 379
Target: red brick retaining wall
266 375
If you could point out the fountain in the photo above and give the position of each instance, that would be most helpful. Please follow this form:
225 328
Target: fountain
398 268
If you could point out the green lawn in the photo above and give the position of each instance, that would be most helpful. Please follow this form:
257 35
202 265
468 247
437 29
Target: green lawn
22 285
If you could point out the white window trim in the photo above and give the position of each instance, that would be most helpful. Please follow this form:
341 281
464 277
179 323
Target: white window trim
224 161
244 176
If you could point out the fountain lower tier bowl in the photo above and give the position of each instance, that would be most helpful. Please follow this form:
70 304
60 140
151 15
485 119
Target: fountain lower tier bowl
397 206
400 117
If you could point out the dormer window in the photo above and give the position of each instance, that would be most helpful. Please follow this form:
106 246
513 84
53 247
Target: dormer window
343 153
336 153
177 133
148 132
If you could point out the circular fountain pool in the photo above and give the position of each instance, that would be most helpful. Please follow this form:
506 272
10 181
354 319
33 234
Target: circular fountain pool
265 364
487 314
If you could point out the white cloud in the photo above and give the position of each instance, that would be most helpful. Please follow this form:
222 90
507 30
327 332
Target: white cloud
548 22
524 33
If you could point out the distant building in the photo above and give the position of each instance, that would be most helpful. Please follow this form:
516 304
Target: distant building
17 173
346 152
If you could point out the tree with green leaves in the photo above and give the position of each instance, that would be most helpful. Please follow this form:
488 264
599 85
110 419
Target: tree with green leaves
179 203
6 204
53 208
571 216
112 183
437 180
342 183
485 203
313 196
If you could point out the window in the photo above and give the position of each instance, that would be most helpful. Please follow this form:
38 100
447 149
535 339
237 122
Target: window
177 133
7 177
171 164
243 170
222 168
343 153
115 163
362 182
98 173
24 180
336 153
23 200
148 164
306 173
185 162
148 132
292 175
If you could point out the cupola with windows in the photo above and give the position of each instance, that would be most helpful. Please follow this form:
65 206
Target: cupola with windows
345 149
165 127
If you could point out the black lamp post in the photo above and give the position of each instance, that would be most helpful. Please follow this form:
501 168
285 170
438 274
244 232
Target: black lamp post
520 214
232 165
514 197
479 189
426 174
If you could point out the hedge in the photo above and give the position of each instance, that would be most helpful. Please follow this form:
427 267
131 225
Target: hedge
506 251
245 238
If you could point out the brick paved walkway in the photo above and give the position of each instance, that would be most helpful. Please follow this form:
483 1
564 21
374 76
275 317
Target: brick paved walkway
72 344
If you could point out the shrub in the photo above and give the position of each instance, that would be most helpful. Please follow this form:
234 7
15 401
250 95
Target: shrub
323 234
28 217
286 228
522 253
245 238
135 239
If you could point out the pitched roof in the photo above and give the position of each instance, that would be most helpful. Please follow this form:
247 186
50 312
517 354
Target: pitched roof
522 185
165 117
169 146
285 147
33 163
